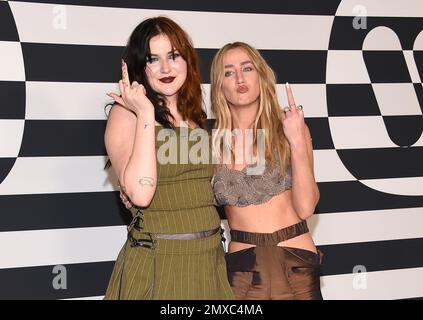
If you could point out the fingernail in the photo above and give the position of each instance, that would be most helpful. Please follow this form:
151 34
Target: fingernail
123 62
287 85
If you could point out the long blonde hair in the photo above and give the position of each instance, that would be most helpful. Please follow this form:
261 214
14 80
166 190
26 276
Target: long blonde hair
269 115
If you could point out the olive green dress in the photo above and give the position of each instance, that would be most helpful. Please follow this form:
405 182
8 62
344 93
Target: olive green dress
183 203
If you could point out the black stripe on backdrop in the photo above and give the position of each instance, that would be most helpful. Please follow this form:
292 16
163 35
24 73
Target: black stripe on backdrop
383 163
5 165
36 282
205 57
84 63
418 57
320 133
404 131
71 63
43 138
62 210
63 138
297 66
345 37
12 97
374 256
386 66
351 100
348 196
308 7
98 209
8 31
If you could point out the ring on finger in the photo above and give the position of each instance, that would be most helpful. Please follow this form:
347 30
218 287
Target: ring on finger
300 107
286 109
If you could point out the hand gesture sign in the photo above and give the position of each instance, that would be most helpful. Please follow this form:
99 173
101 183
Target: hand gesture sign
133 96
293 119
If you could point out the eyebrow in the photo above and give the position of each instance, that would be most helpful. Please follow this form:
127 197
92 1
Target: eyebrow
242 63
173 51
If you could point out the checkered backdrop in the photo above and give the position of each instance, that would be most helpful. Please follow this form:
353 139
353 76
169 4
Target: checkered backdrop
355 66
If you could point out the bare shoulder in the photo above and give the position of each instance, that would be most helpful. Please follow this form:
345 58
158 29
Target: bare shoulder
118 113
119 137
121 125
120 119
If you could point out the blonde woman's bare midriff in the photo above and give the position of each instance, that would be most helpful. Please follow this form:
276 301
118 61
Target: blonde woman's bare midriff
275 214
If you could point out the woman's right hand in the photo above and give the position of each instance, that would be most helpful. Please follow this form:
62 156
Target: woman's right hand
133 96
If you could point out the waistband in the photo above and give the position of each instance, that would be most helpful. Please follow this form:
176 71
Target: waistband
270 239
198 241
185 236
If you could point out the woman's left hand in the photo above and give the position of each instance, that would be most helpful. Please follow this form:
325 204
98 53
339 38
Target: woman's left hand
125 199
293 120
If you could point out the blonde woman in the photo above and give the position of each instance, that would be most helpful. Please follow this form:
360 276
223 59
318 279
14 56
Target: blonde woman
271 254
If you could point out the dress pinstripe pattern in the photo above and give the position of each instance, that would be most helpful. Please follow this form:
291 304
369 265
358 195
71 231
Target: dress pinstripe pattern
174 269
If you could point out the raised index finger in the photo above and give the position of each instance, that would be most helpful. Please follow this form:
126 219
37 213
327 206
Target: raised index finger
291 101
125 76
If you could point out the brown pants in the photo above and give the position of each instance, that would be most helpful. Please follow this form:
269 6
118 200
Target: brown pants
269 272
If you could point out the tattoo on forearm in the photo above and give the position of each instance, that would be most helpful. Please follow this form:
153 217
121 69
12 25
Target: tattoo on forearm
146 181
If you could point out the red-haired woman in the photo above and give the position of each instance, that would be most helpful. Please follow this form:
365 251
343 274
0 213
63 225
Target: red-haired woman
174 248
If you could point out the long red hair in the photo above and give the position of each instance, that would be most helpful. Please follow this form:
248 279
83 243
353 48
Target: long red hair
136 53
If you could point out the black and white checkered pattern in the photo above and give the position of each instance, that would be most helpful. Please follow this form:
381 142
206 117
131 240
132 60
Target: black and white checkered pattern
362 95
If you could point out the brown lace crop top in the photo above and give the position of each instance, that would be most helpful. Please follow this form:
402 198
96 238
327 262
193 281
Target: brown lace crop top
238 188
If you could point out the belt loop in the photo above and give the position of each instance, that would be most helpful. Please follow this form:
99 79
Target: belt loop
149 243
137 221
